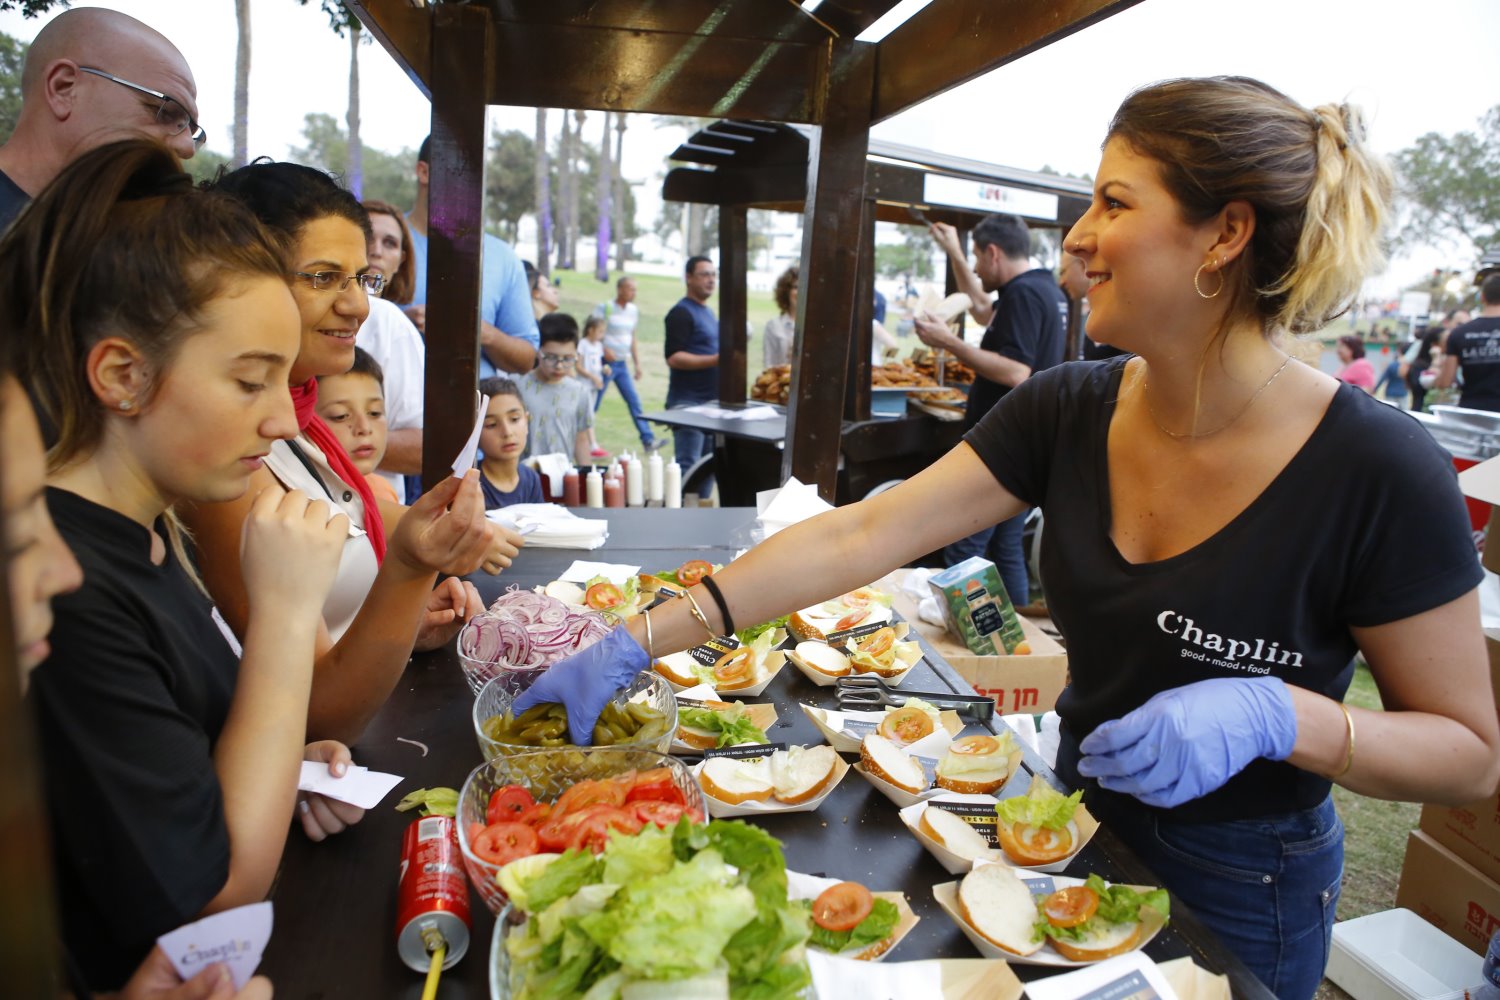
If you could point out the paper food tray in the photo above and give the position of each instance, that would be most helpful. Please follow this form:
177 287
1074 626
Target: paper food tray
830 722
763 715
911 816
946 895
902 798
932 979
800 886
774 661
911 657
723 810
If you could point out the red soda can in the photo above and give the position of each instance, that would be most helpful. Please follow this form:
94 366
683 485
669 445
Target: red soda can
432 902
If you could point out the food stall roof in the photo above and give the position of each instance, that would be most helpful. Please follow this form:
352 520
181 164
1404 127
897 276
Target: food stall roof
764 165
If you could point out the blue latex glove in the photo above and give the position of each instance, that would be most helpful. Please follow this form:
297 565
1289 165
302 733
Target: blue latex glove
1188 741
586 681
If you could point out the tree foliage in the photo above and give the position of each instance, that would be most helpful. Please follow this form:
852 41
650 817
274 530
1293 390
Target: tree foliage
1450 188
12 59
339 16
911 258
32 8
388 177
510 176
205 164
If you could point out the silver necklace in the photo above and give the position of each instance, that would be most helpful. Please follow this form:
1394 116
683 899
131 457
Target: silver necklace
1146 391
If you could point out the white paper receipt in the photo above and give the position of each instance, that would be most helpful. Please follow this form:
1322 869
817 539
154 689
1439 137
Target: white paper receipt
465 460
235 937
359 786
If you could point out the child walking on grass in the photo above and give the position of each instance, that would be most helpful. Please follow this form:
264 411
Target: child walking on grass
591 370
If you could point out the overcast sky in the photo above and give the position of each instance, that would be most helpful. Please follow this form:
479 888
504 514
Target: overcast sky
1415 66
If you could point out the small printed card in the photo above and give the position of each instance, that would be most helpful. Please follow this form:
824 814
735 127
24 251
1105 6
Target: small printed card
582 571
465 460
235 937
748 751
359 786
1131 976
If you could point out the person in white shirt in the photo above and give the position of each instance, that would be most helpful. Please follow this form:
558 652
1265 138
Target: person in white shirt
621 317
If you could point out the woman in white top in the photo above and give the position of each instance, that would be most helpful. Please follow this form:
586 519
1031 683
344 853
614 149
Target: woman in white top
781 331
381 597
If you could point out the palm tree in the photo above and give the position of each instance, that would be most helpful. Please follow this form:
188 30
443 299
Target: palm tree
241 154
543 197
619 199
355 180
603 188
575 152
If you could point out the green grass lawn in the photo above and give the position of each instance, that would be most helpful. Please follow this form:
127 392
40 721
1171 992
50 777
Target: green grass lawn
655 295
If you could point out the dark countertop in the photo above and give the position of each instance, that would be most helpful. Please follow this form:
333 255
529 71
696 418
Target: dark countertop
336 901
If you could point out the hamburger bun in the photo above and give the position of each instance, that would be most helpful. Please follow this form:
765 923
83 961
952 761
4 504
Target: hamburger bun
1028 845
679 669
802 776
999 907
698 739
821 658
974 765
886 761
735 781
1107 941
953 833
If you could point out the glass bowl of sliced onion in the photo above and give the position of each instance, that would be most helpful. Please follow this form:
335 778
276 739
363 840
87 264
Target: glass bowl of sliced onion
523 633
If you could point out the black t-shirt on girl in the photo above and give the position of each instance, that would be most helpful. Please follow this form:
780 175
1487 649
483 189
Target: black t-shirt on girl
1327 546
128 708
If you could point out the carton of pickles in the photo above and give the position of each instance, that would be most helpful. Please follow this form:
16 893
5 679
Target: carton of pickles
976 607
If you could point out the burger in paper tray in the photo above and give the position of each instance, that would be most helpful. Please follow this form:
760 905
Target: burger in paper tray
883 652
706 723
848 919
939 764
1051 919
752 779
733 665
846 730
1041 830
865 607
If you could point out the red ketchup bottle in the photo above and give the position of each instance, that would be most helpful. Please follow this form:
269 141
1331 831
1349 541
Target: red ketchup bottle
571 495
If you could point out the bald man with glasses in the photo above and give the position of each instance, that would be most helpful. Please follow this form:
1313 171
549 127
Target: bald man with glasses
93 76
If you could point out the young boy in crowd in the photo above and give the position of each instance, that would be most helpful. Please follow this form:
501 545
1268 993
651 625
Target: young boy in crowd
502 477
353 407
560 407
591 370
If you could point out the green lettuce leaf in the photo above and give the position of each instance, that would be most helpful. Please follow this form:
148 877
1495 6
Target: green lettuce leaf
876 927
563 877
749 635
629 859
431 802
732 724
1118 904
1042 807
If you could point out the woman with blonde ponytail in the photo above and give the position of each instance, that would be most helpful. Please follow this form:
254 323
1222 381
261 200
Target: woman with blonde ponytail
154 328
1224 534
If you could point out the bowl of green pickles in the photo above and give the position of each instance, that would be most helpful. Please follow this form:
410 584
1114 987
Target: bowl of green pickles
642 715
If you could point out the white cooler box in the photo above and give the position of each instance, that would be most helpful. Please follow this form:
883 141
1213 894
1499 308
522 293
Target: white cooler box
1395 954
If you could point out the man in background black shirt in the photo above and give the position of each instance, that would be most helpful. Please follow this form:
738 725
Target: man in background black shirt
1475 347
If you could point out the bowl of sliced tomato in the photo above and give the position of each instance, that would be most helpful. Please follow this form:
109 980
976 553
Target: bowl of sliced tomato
642 714
550 801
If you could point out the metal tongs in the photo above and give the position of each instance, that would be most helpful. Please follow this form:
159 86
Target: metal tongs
861 690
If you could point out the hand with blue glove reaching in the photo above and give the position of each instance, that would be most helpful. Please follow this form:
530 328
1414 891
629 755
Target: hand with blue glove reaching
586 681
1188 741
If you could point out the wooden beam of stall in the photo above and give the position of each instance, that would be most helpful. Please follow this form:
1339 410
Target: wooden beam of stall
404 31
862 320
734 259
954 41
460 57
827 287
611 69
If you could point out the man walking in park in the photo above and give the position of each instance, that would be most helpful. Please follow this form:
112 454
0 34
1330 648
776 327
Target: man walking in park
692 353
1474 347
621 359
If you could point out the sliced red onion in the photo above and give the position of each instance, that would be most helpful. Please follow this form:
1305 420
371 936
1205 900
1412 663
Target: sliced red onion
525 630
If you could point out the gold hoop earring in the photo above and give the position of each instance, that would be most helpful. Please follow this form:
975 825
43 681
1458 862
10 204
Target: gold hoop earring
1198 274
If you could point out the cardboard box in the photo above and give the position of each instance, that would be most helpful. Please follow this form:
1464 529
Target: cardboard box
1448 893
1472 832
1029 683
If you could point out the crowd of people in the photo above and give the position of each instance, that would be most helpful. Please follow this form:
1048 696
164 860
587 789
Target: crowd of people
218 565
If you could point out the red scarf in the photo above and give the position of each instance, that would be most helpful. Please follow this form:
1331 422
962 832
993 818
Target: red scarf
305 399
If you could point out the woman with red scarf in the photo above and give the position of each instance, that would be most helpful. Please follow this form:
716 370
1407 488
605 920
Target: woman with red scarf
382 601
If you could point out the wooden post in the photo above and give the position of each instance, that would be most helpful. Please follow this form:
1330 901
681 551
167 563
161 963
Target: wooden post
862 321
734 257
460 66
832 229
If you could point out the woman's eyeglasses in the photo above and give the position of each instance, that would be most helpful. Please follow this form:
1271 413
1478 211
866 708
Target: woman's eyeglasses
326 281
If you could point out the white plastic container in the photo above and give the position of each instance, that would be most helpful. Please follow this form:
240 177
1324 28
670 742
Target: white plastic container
1396 955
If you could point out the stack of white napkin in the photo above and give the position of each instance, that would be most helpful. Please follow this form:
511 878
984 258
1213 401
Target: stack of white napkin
548 526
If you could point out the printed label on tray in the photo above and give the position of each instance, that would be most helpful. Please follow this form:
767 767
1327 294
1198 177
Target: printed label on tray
1043 886
857 632
1131 986
929 771
711 653
859 728
980 815
749 752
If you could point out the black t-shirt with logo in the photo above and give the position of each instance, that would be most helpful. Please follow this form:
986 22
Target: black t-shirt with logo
1328 546
1027 326
1476 344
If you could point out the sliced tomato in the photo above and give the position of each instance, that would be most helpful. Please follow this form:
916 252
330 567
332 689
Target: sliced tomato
879 642
553 834
974 746
475 829
735 667
1071 906
590 792
591 832
507 803
852 619
663 814
603 595
857 598
693 571
655 785
905 725
694 814
841 907
502 843
536 815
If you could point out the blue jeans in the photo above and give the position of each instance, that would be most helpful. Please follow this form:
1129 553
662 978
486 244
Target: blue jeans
689 445
1268 887
618 372
1001 545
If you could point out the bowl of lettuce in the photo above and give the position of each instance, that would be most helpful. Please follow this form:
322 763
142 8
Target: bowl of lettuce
692 912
